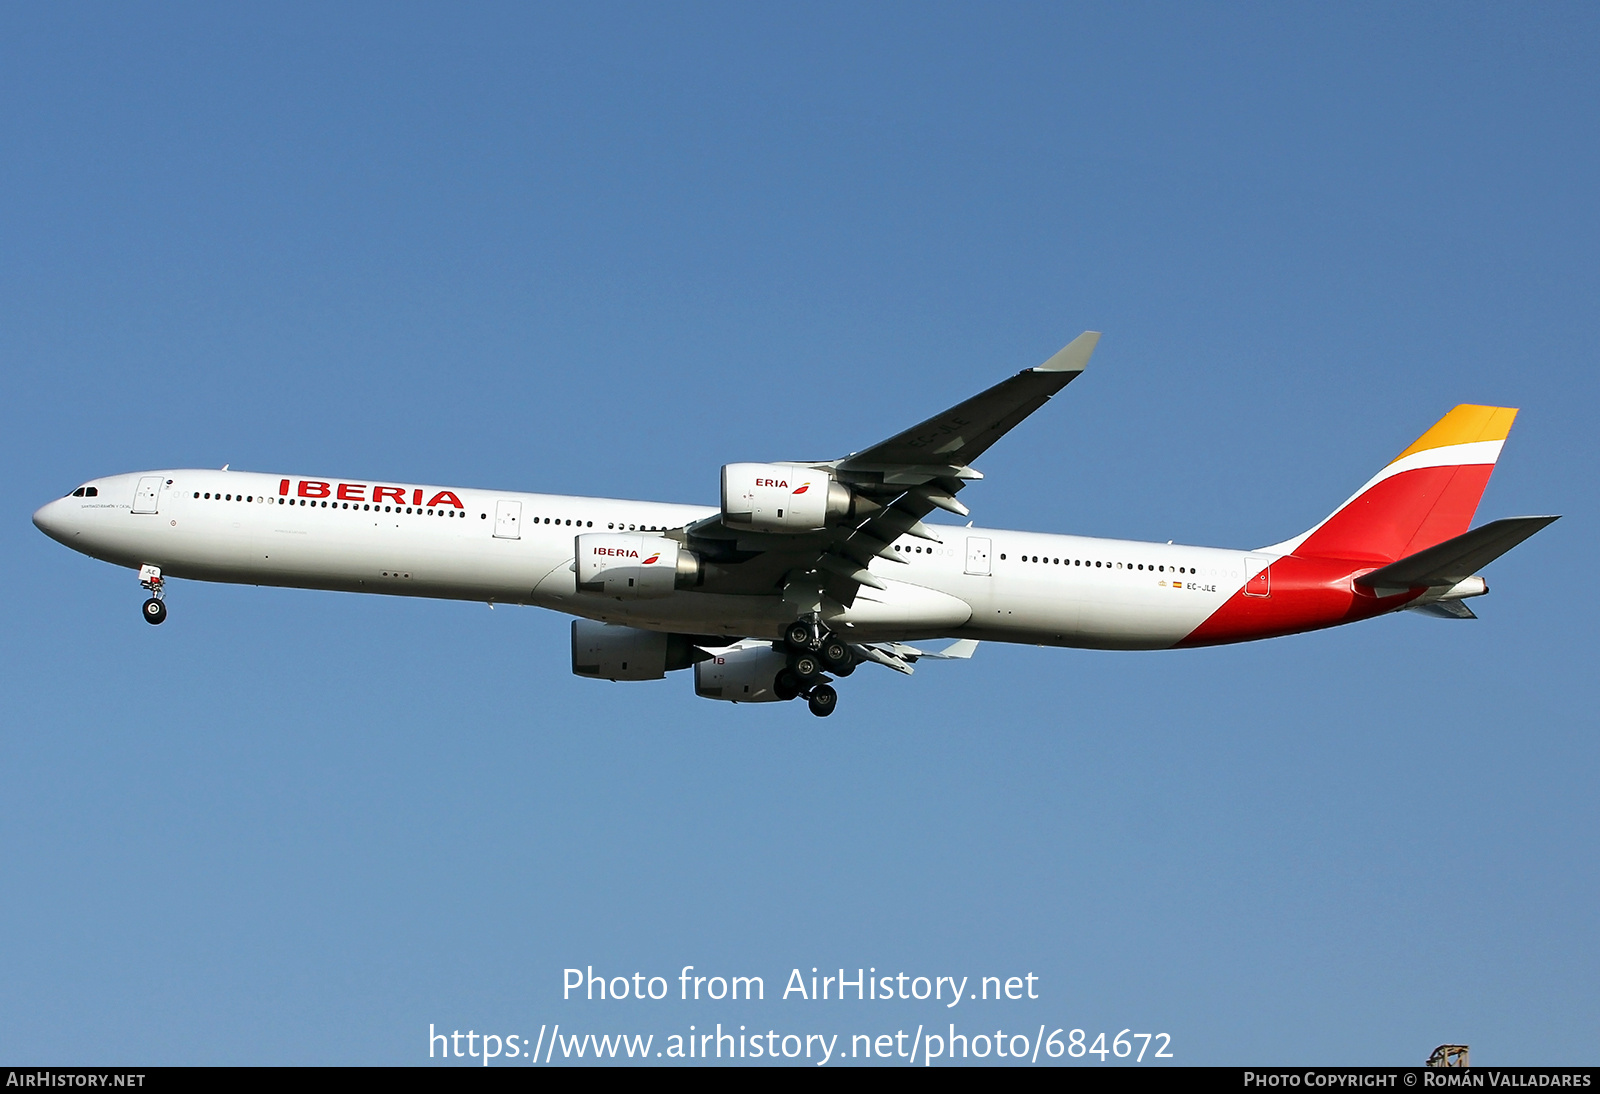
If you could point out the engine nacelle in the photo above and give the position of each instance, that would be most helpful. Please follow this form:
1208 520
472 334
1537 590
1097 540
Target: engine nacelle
743 674
781 497
632 567
610 651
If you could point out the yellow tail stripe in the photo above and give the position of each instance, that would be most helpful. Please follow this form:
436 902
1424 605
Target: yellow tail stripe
1463 425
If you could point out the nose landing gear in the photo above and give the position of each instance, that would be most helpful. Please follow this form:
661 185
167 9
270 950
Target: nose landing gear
155 609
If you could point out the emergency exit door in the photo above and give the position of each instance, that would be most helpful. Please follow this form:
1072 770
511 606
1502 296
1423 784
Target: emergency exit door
508 520
978 556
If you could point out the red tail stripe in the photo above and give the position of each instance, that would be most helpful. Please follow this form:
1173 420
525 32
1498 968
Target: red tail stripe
1402 514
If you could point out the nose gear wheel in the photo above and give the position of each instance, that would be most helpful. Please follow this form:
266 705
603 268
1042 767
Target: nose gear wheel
154 610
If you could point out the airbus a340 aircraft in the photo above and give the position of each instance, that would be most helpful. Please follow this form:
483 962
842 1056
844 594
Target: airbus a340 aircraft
807 570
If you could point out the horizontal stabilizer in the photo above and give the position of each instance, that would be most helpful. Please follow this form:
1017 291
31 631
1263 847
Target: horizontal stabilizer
1455 559
1444 609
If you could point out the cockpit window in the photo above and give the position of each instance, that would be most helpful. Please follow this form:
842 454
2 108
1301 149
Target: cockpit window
85 492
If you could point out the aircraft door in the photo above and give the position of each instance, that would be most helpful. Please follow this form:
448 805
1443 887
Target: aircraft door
1260 581
508 520
147 498
978 556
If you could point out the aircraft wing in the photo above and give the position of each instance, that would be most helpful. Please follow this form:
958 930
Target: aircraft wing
964 432
896 483
901 657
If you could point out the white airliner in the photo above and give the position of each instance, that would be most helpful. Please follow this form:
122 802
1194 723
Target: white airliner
806 570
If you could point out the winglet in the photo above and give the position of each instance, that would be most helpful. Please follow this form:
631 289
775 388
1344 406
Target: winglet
1074 356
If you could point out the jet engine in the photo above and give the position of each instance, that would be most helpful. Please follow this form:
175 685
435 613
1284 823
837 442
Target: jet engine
633 567
782 497
743 674
610 651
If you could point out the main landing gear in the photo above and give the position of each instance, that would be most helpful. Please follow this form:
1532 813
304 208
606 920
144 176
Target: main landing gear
813 650
155 609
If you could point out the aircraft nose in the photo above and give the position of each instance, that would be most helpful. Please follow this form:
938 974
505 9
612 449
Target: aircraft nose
53 521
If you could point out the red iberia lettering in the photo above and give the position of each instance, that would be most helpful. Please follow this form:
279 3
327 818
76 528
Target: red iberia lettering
772 482
446 496
395 492
351 491
418 493
283 486
314 489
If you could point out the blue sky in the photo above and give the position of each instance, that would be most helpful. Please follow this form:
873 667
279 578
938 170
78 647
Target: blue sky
604 250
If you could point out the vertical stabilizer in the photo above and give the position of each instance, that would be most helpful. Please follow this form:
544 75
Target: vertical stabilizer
1425 496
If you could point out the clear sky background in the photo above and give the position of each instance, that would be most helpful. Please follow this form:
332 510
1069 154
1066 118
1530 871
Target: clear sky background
605 249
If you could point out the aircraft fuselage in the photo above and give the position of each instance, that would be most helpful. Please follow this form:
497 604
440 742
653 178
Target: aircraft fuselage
505 547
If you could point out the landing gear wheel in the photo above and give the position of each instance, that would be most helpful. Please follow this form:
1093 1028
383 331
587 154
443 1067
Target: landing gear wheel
843 670
807 666
786 685
154 611
798 636
835 652
822 700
